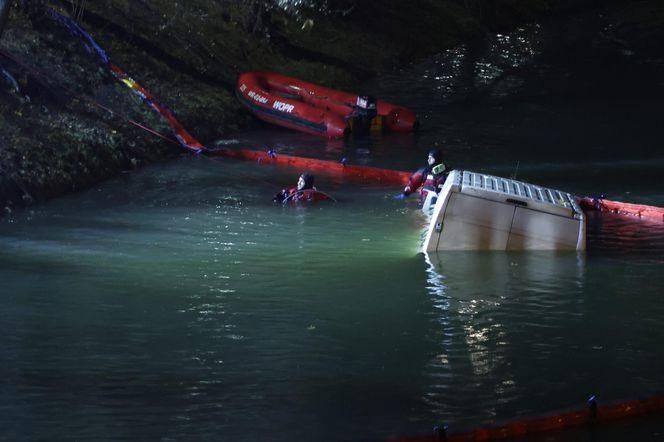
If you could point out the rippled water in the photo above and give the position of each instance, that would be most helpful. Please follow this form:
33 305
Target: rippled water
177 302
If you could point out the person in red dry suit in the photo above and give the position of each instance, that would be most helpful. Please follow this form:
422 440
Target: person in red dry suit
304 191
427 179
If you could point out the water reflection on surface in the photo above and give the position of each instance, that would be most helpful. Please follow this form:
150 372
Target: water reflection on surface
615 235
485 301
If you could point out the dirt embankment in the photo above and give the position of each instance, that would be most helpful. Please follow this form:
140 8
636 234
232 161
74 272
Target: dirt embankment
65 121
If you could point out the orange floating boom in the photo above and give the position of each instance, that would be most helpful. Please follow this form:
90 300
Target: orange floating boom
517 429
375 174
641 211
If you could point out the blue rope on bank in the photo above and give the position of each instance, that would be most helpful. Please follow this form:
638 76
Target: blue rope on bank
77 31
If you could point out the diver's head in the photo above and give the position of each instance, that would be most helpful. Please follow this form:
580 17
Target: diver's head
306 181
435 157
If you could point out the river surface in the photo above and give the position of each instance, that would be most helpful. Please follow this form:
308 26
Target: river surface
177 302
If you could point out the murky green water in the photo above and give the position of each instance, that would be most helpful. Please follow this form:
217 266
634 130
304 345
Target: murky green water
177 302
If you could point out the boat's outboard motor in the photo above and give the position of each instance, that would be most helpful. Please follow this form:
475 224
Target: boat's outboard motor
364 114
366 106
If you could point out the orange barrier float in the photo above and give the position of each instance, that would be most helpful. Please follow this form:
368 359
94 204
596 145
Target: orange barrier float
185 138
593 414
641 211
374 174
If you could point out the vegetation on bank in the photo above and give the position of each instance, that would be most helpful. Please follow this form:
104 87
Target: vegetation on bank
64 119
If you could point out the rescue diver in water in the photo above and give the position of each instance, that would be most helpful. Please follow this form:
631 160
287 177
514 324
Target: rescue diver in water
304 191
429 178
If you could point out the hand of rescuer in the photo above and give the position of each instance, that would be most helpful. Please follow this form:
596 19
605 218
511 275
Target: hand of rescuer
280 196
415 181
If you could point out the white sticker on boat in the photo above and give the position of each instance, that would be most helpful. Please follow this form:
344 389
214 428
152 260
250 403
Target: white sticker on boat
257 97
284 107
243 87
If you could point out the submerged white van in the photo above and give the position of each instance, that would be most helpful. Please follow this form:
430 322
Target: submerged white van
474 211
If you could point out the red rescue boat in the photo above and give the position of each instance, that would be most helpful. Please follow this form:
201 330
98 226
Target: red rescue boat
314 109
